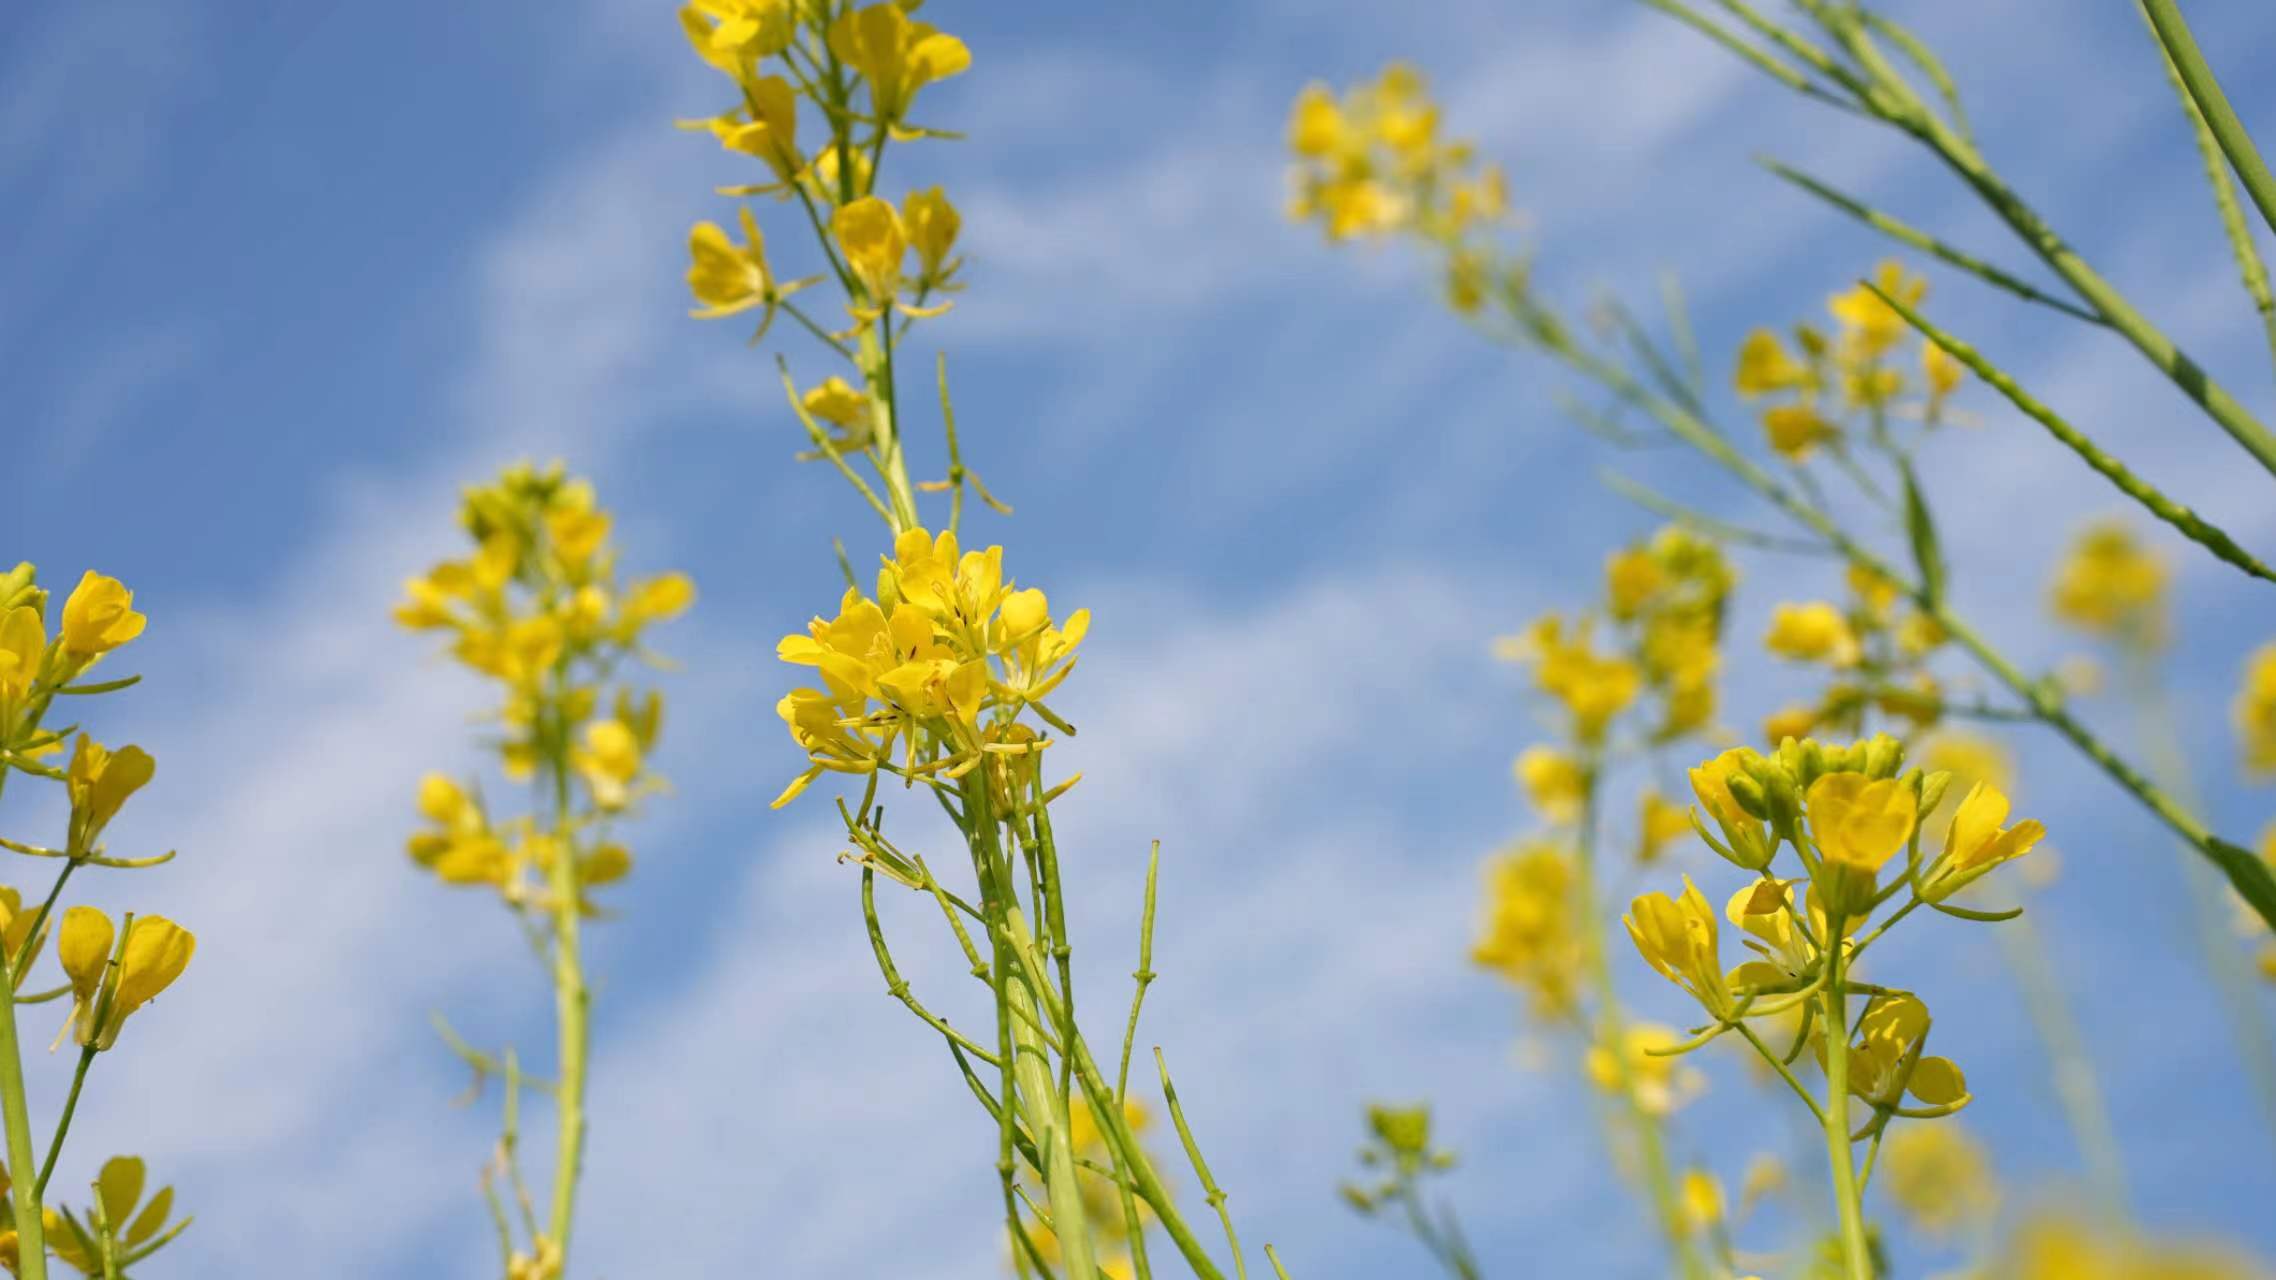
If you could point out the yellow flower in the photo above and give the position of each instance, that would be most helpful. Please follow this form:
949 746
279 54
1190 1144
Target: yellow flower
1594 688
1658 823
766 127
1970 759
1795 430
869 234
895 56
577 536
609 762
733 34
15 934
2111 585
832 168
1702 1198
658 599
1746 840
1869 326
155 953
519 653
1813 632
1677 937
1764 910
1529 935
23 645
1631 578
1765 368
1858 821
99 782
1553 781
1885 1062
1976 842
1317 128
99 616
932 224
1941 1178
728 278
2255 711
1659 1082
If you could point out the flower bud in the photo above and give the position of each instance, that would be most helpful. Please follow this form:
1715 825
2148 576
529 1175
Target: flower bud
1749 794
1932 789
1882 756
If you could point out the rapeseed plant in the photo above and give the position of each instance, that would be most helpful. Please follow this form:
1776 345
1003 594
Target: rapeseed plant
112 970
540 607
937 669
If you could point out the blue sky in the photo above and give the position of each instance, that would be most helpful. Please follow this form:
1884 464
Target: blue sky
281 278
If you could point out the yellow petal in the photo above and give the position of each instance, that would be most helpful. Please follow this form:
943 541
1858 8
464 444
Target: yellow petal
84 947
157 950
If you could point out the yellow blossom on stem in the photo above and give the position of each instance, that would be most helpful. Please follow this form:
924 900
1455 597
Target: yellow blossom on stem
99 617
1747 840
1553 780
728 278
1677 937
1857 823
895 56
1796 430
2111 585
733 34
932 224
23 646
1869 326
1977 842
1658 824
1765 367
1813 632
766 127
870 236
154 954
99 782
1530 935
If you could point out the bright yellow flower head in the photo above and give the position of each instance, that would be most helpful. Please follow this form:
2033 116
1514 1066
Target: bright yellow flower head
99 781
869 234
766 127
1747 841
733 34
610 762
895 56
1977 842
1317 129
658 599
99 616
1869 327
1530 934
2254 711
2112 585
23 645
1631 577
1765 367
1860 822
1789 722
155 953
932 224
1796 430
1677 937
1702 1200
1813 632
728 278
1885 1061
1553 782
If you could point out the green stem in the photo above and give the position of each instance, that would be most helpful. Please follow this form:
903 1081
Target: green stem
31 1234
63 1122
572 1004
2205 90
1039 1101
1857 1261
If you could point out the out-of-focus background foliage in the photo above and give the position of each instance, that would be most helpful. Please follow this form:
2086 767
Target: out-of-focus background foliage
279 277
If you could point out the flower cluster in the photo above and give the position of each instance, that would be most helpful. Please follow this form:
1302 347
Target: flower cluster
1809 388
933 672
1875 647
854 75
112 971
2112 586
1846 813
1374 163
1532 934
539 607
